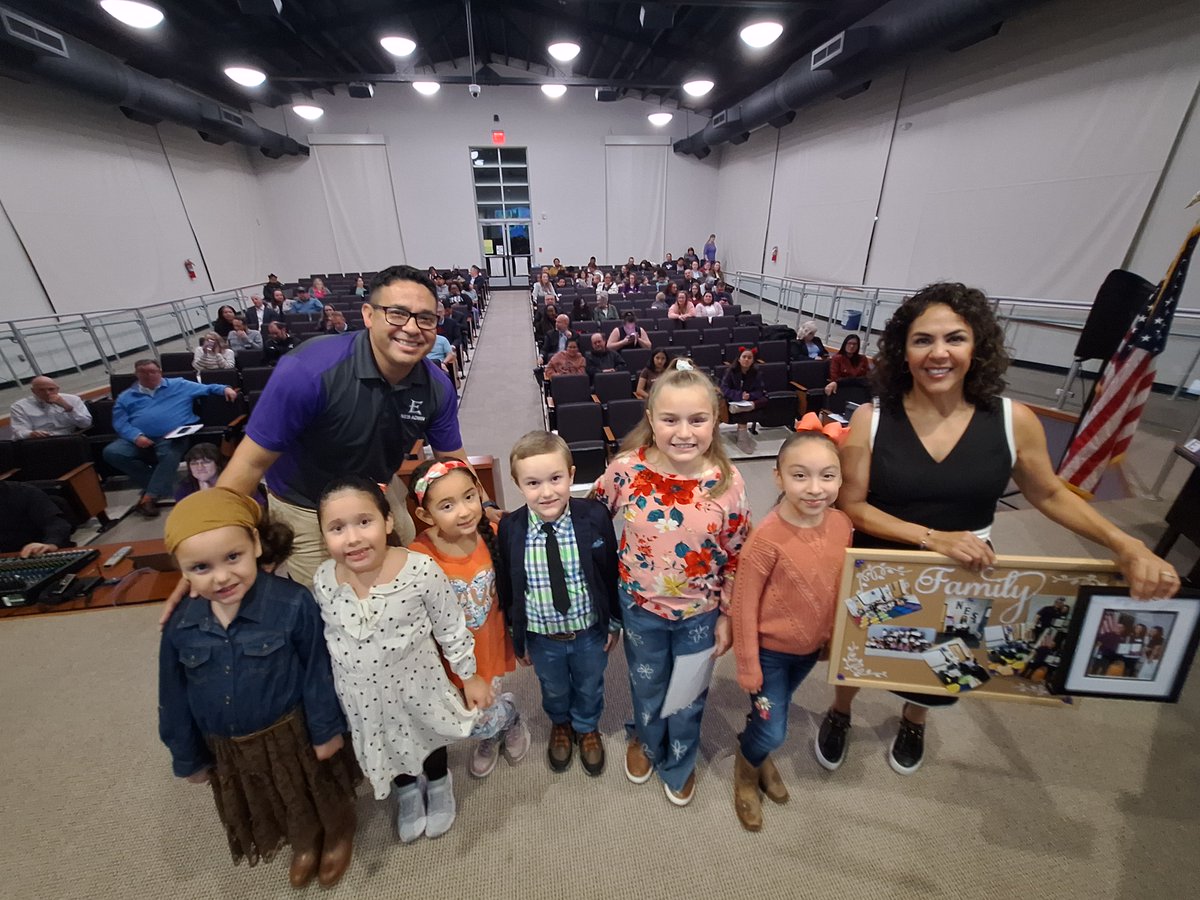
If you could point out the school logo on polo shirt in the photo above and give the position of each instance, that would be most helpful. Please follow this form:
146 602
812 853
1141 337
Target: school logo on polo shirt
415 411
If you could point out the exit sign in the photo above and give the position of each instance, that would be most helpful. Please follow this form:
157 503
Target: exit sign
497 138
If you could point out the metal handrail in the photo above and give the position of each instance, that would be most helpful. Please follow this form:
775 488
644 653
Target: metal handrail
43 345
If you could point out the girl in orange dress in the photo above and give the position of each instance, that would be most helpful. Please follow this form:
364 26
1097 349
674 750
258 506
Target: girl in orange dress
463 543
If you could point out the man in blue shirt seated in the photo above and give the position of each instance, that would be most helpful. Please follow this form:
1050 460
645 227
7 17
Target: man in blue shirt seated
141 416
302 303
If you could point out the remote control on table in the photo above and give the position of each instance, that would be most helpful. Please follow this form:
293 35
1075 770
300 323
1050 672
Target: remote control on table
118 556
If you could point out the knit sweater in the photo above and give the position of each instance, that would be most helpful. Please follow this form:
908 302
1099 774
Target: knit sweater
785 594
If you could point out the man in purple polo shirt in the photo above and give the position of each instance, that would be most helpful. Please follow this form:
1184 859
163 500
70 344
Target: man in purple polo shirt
349 403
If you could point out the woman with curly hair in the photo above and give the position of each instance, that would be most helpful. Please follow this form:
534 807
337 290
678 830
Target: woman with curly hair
924 467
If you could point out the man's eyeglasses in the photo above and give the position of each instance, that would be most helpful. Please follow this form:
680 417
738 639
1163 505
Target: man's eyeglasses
399 316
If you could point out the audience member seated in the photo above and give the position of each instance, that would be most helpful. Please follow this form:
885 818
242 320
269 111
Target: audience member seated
203 464
463 305
693 273
279 341
695 293
442 353
303 304
568 361
360 287
742 384
32 523
318 290
554 268
223 324
848 366
601 359
648 375
242 338
337 324
213 353
476 282
682 308
709 308
580 311
660 301
543 323
448 326
543 290
48 413
252 314
151 408
810 345
607 285
273 311
628 335
556 340
669 264
631 285
441 289
273 284
690 257
604 311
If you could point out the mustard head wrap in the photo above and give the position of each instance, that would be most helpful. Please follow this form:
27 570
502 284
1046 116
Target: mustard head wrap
207 511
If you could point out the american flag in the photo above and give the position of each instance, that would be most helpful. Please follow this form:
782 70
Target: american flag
1112 419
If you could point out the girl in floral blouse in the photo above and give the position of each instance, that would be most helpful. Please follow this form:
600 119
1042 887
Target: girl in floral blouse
686 517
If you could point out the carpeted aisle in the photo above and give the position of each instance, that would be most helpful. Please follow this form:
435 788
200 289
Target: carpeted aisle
1100 801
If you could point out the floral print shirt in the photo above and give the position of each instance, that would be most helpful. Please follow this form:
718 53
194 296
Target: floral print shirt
679 547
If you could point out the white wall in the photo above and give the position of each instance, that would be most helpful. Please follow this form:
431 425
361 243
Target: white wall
428 140
1023 164
102 205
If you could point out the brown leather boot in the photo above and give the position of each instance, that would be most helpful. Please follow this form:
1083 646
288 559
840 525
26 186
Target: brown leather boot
304 867
771 783
746 802
591 752
335 858
561 747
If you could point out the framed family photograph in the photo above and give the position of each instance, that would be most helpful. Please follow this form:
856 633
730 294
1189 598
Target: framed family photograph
1128 649
915 621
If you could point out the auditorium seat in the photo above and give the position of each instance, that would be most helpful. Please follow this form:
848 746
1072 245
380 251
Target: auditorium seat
175 361
773 351
62 467
581 425
621 416
255 379
609 386
636 358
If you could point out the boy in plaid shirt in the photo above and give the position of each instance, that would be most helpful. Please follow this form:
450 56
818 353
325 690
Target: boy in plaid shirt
557 584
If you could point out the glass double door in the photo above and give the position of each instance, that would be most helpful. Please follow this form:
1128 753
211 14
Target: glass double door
507 251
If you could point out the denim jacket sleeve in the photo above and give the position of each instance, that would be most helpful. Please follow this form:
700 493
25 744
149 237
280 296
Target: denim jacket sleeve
176 727
322 711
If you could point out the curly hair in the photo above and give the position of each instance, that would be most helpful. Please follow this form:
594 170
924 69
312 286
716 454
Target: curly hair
984 382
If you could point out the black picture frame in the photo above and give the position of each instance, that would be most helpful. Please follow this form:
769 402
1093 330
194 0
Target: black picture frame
1105 654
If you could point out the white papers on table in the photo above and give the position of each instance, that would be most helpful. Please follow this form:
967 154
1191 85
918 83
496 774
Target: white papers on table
183 431
689 679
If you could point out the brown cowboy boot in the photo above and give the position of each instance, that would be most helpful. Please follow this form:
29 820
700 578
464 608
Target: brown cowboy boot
746 802
771 783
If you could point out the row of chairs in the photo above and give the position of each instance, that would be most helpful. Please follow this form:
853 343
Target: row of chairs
61 467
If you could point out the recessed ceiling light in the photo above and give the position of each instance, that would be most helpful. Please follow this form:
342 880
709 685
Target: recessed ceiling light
397 45
564 51
659 119
308 111
428 88
698 87
554 90
761 34
133 13
246 76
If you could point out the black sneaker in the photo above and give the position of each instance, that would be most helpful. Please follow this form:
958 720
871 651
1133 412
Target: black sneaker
908 750
830 745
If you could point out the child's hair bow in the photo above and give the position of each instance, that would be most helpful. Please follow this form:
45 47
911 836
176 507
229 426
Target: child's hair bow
835 431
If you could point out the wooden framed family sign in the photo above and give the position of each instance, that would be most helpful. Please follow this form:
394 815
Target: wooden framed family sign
916 621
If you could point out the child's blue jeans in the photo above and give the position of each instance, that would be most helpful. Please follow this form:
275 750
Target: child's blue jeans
766 725
651 645
571 674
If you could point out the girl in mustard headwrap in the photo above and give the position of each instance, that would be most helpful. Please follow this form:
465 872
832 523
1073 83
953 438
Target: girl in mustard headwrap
246 697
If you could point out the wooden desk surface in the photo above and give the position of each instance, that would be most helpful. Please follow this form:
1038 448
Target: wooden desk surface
147 587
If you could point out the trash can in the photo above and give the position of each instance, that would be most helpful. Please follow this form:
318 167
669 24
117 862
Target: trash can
852 319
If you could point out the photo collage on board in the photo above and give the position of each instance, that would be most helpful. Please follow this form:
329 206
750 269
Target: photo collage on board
1130 644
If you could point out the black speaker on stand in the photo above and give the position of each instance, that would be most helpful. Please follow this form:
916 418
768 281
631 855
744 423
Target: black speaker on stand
1120 298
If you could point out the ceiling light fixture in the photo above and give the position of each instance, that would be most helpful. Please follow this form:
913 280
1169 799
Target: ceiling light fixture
554 91
246 76
428 88
308 111
564 51
659 119
697 87
133 13
397 45
761 34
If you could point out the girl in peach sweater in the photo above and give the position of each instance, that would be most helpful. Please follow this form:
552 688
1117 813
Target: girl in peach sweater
783 607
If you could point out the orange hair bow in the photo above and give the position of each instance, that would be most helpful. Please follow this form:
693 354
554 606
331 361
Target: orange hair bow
835 431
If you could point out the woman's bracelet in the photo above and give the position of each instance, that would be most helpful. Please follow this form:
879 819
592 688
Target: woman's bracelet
925 540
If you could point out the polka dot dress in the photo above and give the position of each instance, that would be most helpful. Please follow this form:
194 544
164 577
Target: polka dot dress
387 668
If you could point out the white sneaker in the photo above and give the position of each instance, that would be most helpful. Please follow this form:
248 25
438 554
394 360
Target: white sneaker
516 741
440 808
410 811
484 759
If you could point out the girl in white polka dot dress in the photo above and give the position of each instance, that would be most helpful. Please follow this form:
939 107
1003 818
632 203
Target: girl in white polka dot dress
387 613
